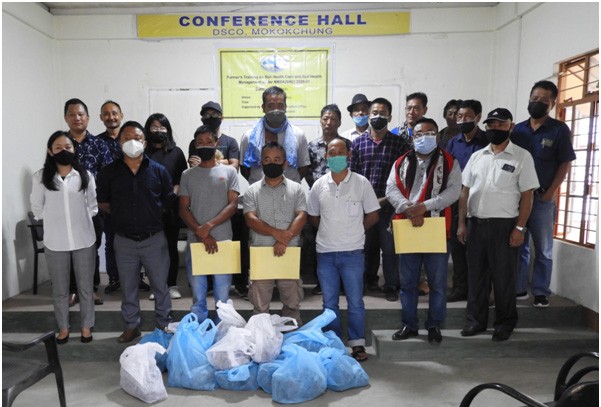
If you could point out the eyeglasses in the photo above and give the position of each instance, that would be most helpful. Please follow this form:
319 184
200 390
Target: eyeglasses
159 129
422 134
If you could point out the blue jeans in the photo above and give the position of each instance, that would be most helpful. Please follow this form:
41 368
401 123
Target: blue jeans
348 267
436 266
199 284
540 227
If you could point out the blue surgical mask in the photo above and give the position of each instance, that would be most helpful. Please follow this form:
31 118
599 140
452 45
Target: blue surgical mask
337 163
425 144
361 121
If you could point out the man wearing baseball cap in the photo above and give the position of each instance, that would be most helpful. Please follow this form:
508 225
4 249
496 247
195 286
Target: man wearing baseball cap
211 115
359 111
498 184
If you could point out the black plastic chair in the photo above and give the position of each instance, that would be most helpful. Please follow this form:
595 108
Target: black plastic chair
568 392
19 374
37 235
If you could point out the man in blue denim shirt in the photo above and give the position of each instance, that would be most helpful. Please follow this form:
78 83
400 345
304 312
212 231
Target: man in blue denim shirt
549 142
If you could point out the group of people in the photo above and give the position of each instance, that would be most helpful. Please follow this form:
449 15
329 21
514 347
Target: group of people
494 188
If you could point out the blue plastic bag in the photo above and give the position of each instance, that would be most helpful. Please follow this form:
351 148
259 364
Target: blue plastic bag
265 374
344 372
301 376
240 378
162 338
187 360
311 336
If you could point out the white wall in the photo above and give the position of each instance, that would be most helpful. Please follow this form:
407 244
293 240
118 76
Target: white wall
30 113
493 54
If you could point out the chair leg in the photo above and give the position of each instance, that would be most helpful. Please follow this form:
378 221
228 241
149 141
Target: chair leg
61 387
35 273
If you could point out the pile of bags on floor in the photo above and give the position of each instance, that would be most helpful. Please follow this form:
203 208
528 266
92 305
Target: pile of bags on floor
237 355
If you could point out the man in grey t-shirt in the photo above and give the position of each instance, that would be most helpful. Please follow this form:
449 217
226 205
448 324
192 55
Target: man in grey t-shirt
208 199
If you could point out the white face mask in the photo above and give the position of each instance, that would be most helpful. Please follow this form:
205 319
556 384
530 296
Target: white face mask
425 144
133 148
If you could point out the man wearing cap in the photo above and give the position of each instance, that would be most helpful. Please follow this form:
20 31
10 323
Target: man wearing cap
211 115
549 142
498 184
359 111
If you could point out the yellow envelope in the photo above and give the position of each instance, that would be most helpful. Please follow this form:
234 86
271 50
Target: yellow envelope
429 238
225 261
264 265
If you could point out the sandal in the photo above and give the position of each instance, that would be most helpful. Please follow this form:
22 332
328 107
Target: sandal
359 353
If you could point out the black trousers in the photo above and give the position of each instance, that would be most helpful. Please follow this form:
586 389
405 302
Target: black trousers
458 254
491 259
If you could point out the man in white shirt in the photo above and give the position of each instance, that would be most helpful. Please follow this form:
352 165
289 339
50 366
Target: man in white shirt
342 206
498 185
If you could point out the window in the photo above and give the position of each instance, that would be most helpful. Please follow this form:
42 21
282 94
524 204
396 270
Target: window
578 107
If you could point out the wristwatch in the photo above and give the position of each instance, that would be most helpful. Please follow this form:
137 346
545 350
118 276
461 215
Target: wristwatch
521 228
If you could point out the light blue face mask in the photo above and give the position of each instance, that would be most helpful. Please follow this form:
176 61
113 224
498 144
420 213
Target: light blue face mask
425 144
337 163
361 121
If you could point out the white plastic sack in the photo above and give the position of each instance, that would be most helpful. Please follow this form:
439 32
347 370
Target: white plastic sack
281 324
267 340
233 350
140 376
229 318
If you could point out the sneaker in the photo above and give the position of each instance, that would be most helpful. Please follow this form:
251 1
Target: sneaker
174 293
113 285
151 297
541 301
522 296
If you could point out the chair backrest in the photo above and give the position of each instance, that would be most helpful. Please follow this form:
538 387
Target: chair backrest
37 227
583 394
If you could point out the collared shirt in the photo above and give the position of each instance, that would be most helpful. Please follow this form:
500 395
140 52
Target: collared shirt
93 153
113 145
462 150
374 160
550 146
317 156
444 199
405 132
67 212
302 155
352 134
276 206
341 209
496 181
137 200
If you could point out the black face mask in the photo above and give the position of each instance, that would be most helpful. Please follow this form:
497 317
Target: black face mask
537 110
64 157
212 122
205 153
157 137
497 137
378 123
466 127
273 170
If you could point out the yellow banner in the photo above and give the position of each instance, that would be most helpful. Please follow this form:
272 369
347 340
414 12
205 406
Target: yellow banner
245 73
272 25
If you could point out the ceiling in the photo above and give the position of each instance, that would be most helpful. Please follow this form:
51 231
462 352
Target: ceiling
83 8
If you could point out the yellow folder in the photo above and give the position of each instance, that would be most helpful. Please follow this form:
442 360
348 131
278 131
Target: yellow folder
225 261
264 265
429 238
